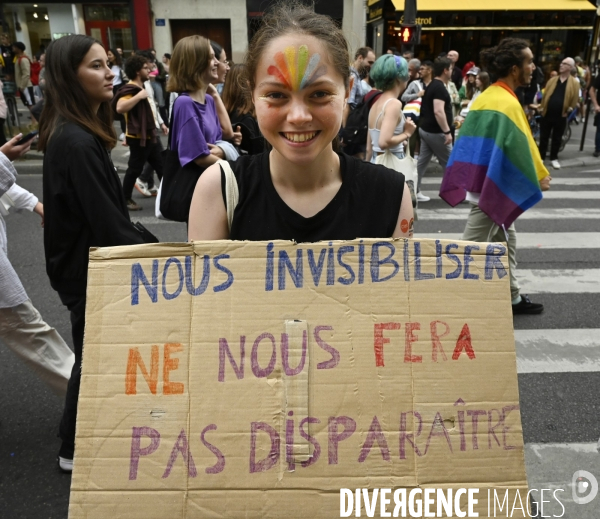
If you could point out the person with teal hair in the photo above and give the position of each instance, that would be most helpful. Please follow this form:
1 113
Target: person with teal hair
388 128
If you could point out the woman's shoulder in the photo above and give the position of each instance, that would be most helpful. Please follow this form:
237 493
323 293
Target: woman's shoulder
72 135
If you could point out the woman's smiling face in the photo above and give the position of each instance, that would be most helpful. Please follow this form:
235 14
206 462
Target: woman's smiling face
299 97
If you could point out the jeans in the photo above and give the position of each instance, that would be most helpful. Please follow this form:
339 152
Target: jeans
556 127
432 144
76 305
138 157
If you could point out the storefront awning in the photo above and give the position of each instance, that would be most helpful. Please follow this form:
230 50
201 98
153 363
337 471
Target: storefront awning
505 5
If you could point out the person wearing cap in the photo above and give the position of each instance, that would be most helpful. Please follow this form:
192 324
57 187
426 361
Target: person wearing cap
467 91
23 74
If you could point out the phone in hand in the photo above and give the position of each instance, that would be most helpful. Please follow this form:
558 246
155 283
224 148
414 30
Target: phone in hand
26 138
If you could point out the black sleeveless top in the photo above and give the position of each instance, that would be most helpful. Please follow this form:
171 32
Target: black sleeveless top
367 204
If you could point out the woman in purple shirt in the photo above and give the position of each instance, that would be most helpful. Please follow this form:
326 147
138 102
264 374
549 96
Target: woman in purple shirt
195 126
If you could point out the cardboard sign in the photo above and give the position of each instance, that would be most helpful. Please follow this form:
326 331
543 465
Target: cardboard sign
238 379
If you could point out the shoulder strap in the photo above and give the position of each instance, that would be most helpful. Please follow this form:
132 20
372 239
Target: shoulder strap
381 113
232 193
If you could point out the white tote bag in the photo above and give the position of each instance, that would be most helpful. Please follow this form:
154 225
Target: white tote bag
406 166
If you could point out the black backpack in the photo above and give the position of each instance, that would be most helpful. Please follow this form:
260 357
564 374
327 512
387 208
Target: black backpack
354 134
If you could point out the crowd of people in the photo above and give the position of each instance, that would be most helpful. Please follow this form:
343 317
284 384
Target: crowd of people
273 123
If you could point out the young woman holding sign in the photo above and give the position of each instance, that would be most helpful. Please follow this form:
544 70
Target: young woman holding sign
298 75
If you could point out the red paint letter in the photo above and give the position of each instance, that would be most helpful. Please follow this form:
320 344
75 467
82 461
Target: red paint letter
409 339
135 360
436 343
464 343
380 340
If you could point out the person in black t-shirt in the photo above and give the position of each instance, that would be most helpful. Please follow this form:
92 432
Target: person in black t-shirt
302 190
435 121
594 97
561 96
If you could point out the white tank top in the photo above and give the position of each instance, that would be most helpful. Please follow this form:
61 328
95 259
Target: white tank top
375 132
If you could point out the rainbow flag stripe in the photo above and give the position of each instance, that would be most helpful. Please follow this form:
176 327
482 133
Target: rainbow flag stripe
495 156
294 69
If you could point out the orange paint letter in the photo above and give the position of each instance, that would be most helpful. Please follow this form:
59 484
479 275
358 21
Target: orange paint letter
171 388
135 360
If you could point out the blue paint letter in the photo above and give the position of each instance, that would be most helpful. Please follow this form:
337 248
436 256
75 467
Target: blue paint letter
492 261
341 251
296 274
189 276
138 275
218 266
316 268
376 262
418 274
453 257
179 288
469 259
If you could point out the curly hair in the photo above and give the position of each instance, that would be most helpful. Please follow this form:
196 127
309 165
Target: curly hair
500 59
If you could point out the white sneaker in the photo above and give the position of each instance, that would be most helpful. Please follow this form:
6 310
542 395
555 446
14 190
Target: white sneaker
555 164
122 137
65 464
422 198
142 187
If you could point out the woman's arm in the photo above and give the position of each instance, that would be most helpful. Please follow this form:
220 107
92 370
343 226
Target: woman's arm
391 116
406 216
226 127
207 160
208 215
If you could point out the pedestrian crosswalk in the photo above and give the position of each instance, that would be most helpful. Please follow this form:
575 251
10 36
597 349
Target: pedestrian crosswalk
558 352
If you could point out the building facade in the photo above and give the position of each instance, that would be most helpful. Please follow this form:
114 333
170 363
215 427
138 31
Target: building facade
121 24
140 24
554 28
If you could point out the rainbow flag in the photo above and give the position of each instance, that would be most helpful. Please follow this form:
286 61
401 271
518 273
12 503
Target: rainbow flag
495 155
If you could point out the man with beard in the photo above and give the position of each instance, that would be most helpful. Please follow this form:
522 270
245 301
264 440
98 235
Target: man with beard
495 164
363 61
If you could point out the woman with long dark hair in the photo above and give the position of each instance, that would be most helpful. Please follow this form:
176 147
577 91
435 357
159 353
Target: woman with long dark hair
83 199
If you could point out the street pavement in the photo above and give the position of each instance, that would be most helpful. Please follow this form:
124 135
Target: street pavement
558 352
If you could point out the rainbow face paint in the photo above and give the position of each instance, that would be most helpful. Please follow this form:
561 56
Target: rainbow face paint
295 69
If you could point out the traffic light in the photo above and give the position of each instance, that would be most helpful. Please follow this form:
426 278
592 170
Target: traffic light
410 34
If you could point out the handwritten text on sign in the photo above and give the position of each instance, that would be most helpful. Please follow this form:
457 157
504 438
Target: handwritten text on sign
382 261
289 371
